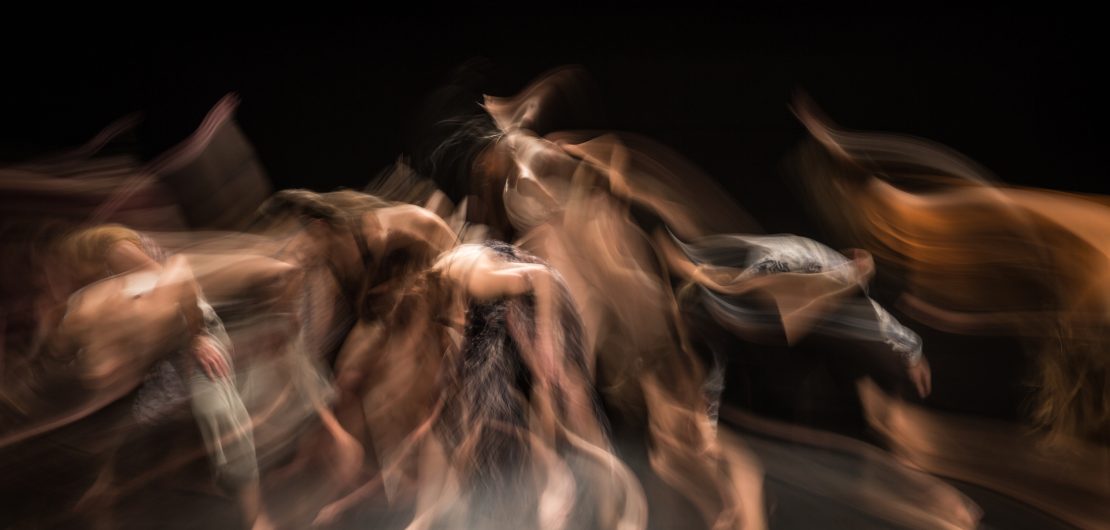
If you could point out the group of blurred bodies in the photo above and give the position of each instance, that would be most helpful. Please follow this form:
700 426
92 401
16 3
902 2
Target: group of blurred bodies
518 327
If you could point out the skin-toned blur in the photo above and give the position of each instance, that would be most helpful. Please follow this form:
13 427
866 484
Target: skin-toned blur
525 325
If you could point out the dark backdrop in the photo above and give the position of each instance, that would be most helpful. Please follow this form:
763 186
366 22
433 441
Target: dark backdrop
324 98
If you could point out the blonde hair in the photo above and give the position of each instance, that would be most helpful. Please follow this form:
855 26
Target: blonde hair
90 246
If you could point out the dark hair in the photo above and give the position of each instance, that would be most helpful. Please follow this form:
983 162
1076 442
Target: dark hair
451 130
298 202
334 207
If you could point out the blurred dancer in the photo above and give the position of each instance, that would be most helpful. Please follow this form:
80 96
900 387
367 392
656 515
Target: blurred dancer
356 254
413 327
976 256
774 290
555 199
184 361
512 405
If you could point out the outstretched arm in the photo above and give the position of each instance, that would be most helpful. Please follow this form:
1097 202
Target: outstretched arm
828 301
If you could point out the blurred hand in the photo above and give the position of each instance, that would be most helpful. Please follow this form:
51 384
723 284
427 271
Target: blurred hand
209 357
921 377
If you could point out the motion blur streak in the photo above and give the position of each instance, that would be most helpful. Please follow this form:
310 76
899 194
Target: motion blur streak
526 323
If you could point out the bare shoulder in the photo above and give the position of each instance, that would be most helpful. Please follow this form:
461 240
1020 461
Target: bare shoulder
417 222
409 215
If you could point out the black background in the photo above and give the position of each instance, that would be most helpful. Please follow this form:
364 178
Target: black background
326 98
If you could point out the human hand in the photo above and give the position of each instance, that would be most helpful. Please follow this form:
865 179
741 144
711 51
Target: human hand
921 377
208 356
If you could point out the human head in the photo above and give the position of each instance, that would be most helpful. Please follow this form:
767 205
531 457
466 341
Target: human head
81 256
